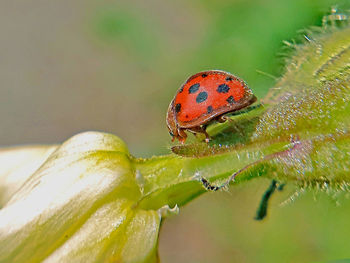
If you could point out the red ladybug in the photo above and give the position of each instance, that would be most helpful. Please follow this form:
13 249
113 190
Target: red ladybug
205 97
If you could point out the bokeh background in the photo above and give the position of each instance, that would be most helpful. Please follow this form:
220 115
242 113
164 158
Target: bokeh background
114 66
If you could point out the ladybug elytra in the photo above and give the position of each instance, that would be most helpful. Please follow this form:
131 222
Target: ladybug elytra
204 97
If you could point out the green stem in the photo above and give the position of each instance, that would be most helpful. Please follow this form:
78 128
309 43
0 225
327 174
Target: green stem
171 180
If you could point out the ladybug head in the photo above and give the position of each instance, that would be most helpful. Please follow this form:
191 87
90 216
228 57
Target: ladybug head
170 121
172 127
176 135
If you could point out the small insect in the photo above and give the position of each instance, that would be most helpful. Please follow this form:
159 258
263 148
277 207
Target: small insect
205 97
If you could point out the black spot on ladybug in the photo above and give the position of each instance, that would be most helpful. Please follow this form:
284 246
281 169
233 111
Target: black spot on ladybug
229 78
230 100
223 88
177 107
186 116
202 96
181 90
209 109
194 88
204 75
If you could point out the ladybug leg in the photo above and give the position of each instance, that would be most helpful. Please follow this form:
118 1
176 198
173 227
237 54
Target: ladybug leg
181 135
207 137
222 118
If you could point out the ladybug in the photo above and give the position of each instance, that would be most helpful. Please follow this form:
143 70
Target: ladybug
205 97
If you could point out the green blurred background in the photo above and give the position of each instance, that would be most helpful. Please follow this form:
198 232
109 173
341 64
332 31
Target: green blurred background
70 66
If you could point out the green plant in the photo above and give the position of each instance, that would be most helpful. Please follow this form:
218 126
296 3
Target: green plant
89 200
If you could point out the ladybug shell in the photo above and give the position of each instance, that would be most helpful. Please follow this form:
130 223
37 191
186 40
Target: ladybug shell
206 96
